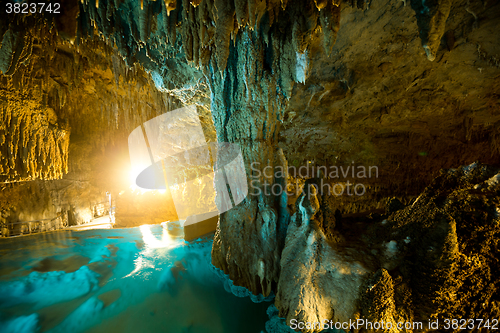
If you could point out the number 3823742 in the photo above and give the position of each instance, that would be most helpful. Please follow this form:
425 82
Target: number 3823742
32 7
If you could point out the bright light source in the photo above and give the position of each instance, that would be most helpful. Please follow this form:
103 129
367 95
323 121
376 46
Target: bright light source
152 242
147 256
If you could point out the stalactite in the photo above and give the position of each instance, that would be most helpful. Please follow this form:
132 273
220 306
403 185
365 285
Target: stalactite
329 19
241 11
208 26
431 20
144 18
33 145
320 4
170 5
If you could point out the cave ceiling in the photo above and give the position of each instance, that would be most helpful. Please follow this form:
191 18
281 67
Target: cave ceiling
409 87
371 95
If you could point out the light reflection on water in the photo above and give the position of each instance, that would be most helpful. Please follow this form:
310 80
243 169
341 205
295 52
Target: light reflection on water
154 243
147 257
118 280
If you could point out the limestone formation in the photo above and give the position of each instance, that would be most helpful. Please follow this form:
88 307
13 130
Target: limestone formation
431 260
33 145
292 83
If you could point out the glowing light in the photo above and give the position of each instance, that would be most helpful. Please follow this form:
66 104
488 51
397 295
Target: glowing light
133 173
147 256
151 241
137 190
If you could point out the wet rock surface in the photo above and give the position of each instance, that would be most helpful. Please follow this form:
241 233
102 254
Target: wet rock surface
436 258
317 280
446 243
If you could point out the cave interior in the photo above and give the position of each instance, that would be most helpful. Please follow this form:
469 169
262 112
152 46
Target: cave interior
311 163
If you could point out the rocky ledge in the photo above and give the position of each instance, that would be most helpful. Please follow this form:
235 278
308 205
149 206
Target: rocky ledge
436 258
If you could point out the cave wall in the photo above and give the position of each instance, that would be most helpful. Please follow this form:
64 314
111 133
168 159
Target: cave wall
67 111
377 100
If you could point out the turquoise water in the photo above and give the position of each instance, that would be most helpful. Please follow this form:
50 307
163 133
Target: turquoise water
119 280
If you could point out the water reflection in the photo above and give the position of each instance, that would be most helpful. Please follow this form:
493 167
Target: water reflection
152 242
150 254
73 281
